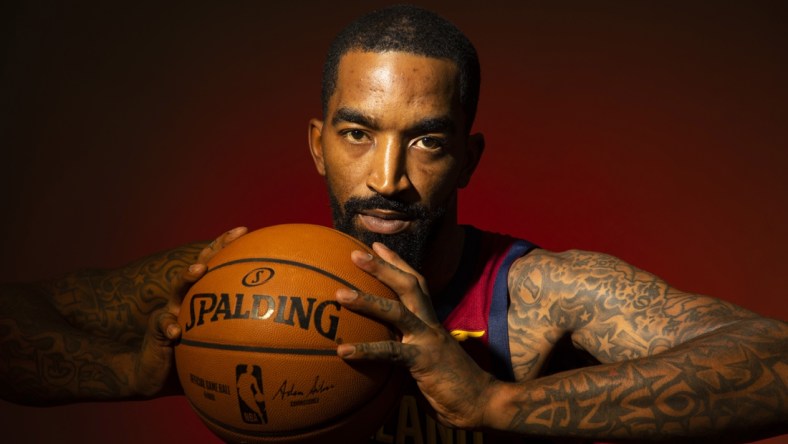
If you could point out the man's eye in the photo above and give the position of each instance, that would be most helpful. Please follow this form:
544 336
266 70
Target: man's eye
430 143
355 135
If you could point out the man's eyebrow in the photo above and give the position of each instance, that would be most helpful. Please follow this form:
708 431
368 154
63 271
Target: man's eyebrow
353 116
442 124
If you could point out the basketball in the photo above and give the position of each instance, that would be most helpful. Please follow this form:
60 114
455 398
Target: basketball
257 358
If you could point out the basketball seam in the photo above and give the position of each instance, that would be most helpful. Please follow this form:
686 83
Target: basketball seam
257 349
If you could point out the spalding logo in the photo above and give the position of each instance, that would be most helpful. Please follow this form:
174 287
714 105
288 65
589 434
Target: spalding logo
304 312
288 310
258 276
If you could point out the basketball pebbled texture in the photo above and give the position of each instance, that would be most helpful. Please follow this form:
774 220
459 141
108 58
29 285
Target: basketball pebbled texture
257 359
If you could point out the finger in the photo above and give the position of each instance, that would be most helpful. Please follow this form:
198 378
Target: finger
182 282
155 359
384 309
391 351
409 286
398 280
394 259
220 242
165 329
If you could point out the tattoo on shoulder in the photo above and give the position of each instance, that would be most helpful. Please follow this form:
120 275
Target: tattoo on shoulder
611 308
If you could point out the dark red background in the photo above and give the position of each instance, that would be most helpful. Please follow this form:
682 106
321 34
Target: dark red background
655 131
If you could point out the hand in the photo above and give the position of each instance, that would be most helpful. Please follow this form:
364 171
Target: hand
455 386
153 363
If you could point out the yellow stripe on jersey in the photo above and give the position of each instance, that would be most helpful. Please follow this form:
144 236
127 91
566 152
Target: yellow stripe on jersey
462 335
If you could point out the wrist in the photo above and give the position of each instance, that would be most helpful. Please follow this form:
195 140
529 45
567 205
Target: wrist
495 406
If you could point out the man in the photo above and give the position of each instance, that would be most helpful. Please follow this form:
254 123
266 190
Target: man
394 146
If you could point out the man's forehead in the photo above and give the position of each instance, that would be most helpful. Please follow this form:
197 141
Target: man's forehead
377 80
357 62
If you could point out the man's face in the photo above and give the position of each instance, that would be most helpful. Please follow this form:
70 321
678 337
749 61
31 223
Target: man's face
394 149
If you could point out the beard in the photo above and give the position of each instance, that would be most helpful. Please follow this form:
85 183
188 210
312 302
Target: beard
410 244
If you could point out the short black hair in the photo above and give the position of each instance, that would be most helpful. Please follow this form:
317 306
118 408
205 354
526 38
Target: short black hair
413 30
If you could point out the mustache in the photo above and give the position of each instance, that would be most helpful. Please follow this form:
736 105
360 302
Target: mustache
358 204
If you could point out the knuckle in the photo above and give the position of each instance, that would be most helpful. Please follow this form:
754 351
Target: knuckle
406 283
422 283
205 253
393 350
411 281
379 261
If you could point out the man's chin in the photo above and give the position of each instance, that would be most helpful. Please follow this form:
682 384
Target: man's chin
408 236
368 236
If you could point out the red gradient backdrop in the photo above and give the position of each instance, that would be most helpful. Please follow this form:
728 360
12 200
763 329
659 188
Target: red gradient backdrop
655 131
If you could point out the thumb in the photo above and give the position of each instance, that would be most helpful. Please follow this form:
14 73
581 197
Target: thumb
155 359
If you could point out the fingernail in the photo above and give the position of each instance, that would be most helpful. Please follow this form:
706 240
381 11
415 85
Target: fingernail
345 350
194 268
362 256
346 295
173 331
236 231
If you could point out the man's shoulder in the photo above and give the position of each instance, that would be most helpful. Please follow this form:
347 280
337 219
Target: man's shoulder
542 273
541 260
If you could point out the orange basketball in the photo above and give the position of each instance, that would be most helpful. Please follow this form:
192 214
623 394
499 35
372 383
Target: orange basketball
257 359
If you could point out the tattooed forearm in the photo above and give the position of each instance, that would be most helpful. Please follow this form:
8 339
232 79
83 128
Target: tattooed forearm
77 338
676 365
43 360
728 384
116 303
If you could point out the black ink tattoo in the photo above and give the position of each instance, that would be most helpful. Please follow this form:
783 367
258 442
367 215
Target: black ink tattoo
678 364
74 338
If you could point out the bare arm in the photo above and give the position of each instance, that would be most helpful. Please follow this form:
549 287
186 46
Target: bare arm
116 304
676 365
610 308
100 334
46 360
729 385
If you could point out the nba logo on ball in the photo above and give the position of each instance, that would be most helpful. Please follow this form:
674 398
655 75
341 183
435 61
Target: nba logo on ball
249 384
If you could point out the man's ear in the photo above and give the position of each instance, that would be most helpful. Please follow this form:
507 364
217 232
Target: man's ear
473 153
316 145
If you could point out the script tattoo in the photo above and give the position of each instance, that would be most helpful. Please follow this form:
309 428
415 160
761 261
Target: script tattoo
66 339
674 364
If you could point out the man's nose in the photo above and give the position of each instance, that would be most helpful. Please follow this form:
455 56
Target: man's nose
388 174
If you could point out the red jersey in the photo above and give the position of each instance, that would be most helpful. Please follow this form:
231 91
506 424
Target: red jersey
473 308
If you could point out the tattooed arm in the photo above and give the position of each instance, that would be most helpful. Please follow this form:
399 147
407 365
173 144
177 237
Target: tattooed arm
674 364
97 335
